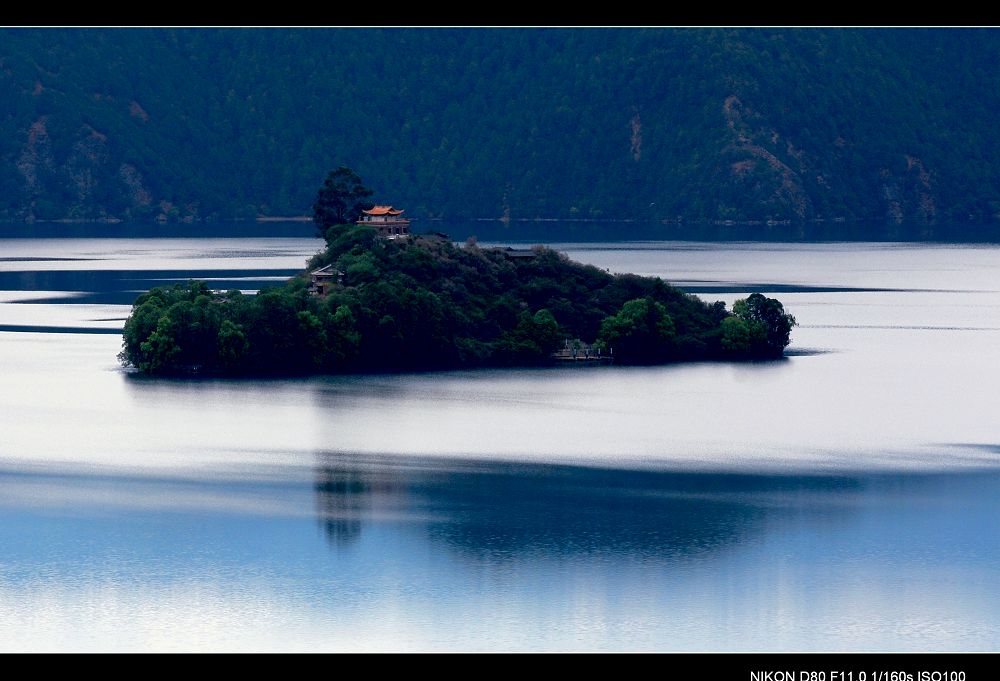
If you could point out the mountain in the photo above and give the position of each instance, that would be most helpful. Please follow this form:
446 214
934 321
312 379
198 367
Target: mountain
887 125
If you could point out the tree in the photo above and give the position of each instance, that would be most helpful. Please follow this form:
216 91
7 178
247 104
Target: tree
545 331
740 337
343 335
340 200
534 339
233 345
141 324
161 349
641 333
767 315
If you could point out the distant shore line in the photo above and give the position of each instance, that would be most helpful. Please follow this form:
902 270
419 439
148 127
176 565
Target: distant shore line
506 220
535 230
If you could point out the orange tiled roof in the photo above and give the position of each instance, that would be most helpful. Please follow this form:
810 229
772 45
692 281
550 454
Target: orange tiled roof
382 210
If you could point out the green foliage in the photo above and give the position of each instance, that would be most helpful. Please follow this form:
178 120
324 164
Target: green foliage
311 340
233 345
532 341
641 333
146 313
705 124
160 351
343 239
171 329
340 200
359 269
344 339
766 327
546 332
740 337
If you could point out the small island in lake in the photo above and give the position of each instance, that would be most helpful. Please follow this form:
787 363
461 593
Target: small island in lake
379 298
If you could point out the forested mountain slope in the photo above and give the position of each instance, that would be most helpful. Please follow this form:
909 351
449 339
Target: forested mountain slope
652 124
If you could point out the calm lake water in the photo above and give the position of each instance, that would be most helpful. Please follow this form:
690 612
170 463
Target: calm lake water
846 498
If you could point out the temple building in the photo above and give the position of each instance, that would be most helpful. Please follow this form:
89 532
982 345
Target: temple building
387 221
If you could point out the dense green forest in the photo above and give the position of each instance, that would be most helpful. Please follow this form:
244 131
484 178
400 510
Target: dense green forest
422 303
893 126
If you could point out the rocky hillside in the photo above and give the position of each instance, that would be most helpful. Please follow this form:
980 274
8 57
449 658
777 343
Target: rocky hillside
894 126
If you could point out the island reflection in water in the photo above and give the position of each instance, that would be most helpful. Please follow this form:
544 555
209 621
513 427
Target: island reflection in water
511 511
688 560
382 551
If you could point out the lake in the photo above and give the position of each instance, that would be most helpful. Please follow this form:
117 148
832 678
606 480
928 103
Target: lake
845 498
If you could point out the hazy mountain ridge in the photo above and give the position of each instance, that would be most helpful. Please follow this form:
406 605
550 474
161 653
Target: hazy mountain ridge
888 125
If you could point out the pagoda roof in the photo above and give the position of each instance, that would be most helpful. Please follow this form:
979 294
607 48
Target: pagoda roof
382 210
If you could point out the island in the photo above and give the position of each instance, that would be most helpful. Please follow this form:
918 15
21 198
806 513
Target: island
379 298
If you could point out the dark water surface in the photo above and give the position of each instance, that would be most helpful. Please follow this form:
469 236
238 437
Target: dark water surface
846 498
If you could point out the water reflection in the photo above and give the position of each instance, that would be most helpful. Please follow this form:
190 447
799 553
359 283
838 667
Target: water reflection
342 496
515 511
121 287
429 553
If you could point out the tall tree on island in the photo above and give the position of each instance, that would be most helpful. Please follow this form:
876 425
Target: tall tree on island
340 200
763 326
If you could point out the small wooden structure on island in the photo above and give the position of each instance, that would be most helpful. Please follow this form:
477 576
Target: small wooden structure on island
386 220
520 253
576 350
323 279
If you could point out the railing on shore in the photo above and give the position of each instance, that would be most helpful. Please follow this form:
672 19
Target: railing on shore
578 351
